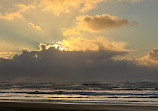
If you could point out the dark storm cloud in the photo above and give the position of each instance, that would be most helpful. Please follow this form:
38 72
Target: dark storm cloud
50 64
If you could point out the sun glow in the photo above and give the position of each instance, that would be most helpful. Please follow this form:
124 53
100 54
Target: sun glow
87 44
59 46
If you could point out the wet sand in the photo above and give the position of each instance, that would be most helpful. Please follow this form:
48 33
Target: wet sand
17 106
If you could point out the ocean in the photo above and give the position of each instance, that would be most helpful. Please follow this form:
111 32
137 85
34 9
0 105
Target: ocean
121 93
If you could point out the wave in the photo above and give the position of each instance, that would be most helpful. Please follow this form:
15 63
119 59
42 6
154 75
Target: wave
88 93
84 86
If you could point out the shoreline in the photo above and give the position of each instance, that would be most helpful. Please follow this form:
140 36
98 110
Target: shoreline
21 106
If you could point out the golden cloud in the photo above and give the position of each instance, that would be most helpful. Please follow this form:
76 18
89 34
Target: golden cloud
17 14
76 41
153 54
6 54
99 22
36 27
151 59
95 44
65 6
132 1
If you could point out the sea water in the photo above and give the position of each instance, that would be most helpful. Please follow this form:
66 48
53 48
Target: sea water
135 93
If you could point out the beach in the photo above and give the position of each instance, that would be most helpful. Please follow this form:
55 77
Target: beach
18 106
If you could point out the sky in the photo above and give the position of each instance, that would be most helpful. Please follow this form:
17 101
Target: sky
78 40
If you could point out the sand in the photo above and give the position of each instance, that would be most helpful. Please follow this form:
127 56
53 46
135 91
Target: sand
17 106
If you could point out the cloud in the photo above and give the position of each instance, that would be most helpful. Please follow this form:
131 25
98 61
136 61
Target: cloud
93 44
55 6
11 16
132 1
52 61
100 22
50 64
8 48
66 6
153 55
151 59
86 59
19 14
36 27
6 54
76 41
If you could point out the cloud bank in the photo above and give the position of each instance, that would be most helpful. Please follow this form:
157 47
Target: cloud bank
50 64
